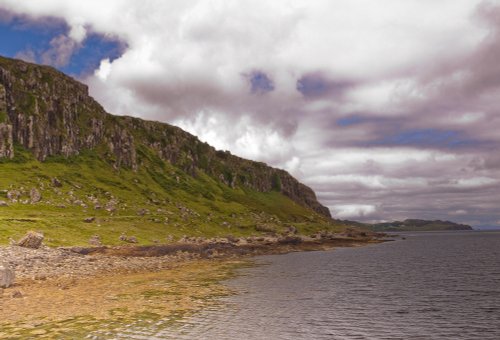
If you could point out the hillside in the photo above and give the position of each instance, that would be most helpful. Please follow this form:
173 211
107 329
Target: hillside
72 170
418 225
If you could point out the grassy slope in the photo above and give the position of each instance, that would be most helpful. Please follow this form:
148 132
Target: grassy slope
178 204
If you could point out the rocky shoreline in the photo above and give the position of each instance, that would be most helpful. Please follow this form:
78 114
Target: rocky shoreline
30 265
74 292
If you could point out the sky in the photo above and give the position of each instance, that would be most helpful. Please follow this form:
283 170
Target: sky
388 109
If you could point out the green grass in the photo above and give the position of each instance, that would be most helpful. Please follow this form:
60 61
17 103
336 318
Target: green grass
178 204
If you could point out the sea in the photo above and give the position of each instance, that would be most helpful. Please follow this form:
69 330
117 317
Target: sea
422 285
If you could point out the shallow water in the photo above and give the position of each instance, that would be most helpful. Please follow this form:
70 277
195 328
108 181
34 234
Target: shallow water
443 285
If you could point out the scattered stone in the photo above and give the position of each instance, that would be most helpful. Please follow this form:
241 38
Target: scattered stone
110 206
6 276
35 196
232 239
89 219
131 239
143 212
56 183
13 195
16 294
95 240
290 240
31 240
265 228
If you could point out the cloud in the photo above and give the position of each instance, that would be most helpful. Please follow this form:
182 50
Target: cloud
27 55
61 49
353 210
384 114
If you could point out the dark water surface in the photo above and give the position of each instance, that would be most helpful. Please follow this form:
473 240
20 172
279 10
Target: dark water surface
442 285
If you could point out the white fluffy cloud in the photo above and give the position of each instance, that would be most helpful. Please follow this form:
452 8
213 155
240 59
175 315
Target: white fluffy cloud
388 109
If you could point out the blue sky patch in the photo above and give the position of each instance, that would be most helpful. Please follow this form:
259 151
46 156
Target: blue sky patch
351 120
260 82
316 85
28 40
428 137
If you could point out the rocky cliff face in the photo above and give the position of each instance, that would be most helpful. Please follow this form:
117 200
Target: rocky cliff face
51 114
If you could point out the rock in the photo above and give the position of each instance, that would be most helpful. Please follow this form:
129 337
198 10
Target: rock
56 183
31 240
143 212
232 239
89 220
35 195
265 228
131 239
290 240
97 206
16 294
3 204
13 195
110 206
95 240
7 276
291 230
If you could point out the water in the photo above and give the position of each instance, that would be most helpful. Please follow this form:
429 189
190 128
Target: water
443 285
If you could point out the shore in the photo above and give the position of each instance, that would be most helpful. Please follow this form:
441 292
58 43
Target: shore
63 291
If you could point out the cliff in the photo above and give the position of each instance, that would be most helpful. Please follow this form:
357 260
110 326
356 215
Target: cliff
50 114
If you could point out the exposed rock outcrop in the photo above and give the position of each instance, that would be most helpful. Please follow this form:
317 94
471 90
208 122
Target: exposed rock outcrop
51 114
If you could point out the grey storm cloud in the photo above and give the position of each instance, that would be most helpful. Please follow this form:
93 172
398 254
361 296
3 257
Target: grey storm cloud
387 116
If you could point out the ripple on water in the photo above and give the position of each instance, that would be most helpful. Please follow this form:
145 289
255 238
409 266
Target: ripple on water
429 286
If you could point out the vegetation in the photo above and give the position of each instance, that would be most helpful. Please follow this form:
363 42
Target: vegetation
157 203
104 177
419 225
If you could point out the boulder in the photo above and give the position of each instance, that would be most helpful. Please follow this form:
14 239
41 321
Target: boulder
31 240
56 183
3 204
6 276
89 220
35 195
